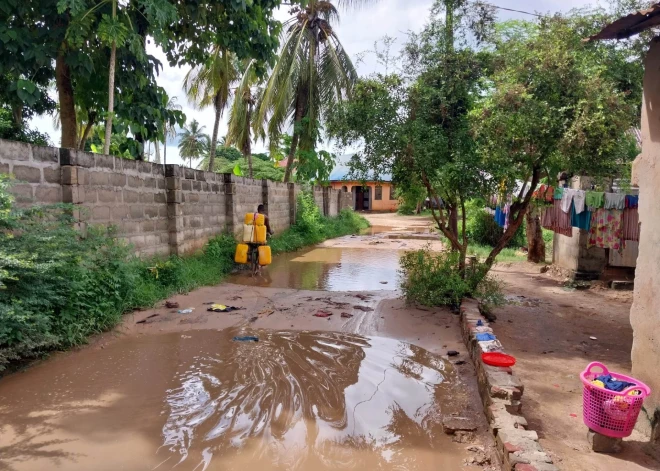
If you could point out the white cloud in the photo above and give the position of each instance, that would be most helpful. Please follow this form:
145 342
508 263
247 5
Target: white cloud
357 30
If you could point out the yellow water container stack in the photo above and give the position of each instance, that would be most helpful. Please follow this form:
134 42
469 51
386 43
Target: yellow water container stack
254 228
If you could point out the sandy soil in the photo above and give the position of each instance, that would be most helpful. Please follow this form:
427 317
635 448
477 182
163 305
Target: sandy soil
548 329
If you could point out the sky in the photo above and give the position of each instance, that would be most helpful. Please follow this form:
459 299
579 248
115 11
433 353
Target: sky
358 30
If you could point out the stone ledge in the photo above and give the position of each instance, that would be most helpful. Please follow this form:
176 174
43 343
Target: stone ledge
501 393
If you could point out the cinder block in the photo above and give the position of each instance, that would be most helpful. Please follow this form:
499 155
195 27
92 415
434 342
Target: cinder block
173 170
108 196
151 211
186 185
146 198
101 213
137 211
129 165
45 154
120 212
118 179
22 193
158 169
104 161
147 225
52 175
98 178
26 173
174 196
135 182
73 194
160 197
145 167
150 182
48 194
602 444
14 150
131 196
161 184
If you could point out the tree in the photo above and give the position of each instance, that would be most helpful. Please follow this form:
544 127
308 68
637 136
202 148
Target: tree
551 106
242 109
312 75
210 84
193 141
169 129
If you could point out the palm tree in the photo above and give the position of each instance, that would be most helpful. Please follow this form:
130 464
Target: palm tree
193 141
313 73
239 133
210 84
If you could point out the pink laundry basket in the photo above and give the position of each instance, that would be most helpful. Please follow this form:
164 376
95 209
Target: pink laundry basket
611 413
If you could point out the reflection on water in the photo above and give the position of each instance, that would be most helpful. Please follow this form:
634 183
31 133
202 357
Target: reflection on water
329 269
299 400
303 401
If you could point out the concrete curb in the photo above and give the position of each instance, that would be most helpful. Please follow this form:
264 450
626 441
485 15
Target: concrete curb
501 393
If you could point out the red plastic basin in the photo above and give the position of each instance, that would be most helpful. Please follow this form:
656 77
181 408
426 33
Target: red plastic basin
498 359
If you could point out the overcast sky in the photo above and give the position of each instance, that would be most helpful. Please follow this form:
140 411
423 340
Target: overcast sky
358 30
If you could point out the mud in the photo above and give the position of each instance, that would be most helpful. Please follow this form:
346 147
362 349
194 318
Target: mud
367 387
293 400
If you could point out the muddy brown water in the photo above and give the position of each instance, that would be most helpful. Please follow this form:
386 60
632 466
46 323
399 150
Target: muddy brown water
328 269
200 401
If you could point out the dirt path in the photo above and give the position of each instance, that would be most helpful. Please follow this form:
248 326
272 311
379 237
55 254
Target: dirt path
168 389
548 330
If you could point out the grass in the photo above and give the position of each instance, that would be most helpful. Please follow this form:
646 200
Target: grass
506 255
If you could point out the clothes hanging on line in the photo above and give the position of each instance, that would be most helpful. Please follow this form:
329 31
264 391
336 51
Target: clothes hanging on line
594 199
580 220
500 217
615 201
631 224
567 199
606 229
507 212
632 201
545 193
557 220
578 201
559 193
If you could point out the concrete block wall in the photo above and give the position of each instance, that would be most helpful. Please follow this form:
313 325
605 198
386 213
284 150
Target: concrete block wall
118 192
36 171
159 209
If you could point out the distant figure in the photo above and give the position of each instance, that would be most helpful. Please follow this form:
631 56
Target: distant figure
260 210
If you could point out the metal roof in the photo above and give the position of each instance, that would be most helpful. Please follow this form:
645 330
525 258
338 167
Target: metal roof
630 25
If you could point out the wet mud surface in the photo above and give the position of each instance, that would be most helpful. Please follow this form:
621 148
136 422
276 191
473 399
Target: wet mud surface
293 400
365 385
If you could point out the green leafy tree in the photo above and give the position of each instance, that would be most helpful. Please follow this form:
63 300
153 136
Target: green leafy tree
313 73
193 141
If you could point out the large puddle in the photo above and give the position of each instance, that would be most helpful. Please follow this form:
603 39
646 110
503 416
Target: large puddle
200 401
329 269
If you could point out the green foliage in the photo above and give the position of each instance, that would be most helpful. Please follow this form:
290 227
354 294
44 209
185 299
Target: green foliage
261 169
311 227
9 130
194 142
483 230
410 196
434 279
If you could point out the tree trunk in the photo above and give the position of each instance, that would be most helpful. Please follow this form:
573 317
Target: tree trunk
453 220
17 113
91 119
247 144
111 95
519 209
300 109
535 242
157 147
214 138
165 149
140 141
65 98
418 210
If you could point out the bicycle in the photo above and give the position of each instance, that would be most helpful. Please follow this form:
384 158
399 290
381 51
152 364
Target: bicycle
253 259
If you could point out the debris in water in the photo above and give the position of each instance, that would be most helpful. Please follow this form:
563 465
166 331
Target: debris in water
223 308
144 321
265 312
254 319
235 298
322 313
346 315
363 308
248 338
186 311
460 362
171 305
593 338
363 297
451 425
452 353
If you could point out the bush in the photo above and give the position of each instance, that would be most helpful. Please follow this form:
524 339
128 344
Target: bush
311 227
433 279
483 230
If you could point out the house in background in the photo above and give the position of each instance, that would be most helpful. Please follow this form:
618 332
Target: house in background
369 195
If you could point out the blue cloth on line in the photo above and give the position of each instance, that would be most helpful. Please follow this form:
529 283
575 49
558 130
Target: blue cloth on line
582 220
500 217
485 337
614 385
632 201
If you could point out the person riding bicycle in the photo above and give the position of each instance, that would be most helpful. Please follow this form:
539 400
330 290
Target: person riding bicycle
256 268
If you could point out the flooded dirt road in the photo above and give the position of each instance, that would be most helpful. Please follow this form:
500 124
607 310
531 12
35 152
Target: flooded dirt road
367 387
292 400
